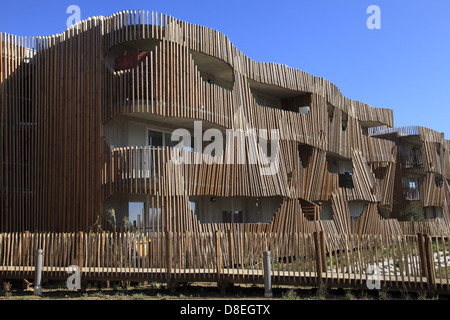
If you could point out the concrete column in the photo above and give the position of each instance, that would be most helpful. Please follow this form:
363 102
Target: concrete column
38 274
267 275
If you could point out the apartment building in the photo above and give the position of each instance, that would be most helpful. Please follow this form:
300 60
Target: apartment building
139 117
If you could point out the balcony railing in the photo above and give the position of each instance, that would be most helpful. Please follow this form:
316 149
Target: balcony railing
412 194
150 88
145 169
412 162
402 131
137 169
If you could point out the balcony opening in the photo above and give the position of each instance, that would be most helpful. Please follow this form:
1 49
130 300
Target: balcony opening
214 209
301 103
305 152
343 168
310 210
346 180
439 182
129 55
356 208
379 169
368 127
344 121
213 70
330 111
130 60
272 96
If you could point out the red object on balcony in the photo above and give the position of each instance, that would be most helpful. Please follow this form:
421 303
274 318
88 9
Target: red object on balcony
129 60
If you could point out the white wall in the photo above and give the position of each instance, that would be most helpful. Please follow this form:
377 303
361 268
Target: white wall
356 208
327 212
123 133
116 132
433 212
341 166
137 134
211 212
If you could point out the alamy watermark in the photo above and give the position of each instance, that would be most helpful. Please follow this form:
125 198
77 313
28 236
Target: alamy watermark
374 20
237 146
75 17
74 281
373 278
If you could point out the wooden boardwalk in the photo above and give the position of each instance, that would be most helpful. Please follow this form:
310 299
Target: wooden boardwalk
410 263
254 276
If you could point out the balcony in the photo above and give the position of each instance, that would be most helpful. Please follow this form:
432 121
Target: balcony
135 169
142 82
148 170
311 213
410 162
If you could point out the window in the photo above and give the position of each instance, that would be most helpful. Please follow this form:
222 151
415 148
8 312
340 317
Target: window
155 138
346 180
439 182
330 110
303 110
135 209
162 139
344 121
232 216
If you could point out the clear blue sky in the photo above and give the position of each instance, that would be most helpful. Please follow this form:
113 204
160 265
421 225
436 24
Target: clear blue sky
404 66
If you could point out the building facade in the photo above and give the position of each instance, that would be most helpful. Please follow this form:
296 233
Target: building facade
88 123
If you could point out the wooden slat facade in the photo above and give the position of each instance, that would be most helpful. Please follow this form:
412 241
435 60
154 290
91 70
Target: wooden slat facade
58 167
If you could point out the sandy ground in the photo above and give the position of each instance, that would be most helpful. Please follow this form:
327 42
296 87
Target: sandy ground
199 291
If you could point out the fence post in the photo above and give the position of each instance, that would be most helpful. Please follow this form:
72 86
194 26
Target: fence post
218 255
38 273
323 249
267 275
319 258
422 258
186 249
25 249
230 248
426 259
80 250
431 274
169 255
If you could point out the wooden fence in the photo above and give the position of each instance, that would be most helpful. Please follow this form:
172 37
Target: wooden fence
415 262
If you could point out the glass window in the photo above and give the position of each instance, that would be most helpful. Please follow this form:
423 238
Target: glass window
135 209
155 138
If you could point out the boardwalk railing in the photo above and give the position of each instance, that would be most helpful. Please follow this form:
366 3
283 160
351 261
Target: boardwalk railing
415 262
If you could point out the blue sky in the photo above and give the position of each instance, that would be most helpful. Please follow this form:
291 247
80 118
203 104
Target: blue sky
404 66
